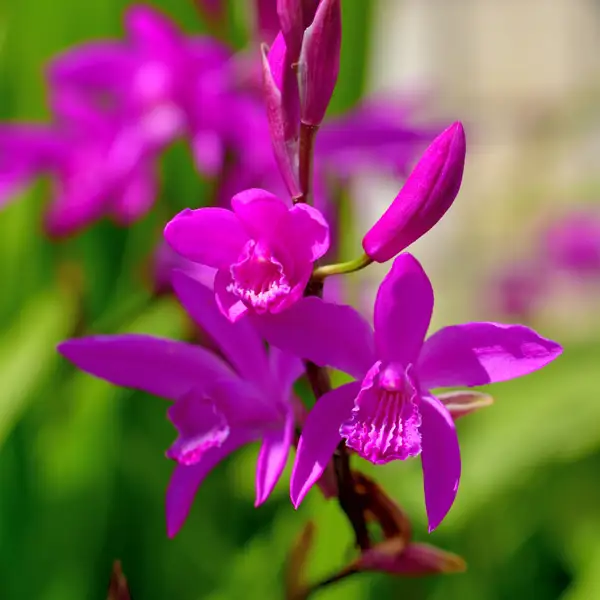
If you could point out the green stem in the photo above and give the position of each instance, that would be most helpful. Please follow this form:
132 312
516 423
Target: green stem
350 266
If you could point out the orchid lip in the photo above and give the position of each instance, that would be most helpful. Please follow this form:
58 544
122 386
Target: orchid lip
385 422
258 278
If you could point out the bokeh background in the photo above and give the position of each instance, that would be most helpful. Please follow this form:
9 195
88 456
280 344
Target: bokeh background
82 466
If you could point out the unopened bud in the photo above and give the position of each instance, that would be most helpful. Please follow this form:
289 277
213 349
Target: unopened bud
462 403
413 560
319 62
427 194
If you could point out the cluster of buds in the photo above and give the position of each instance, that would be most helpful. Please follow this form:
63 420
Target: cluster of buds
261 280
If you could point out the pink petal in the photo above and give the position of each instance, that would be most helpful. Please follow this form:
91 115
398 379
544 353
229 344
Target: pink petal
154 365
227 302
403 309
306 232
95 65
272 458
326 334
185 481
440 457
320 437
239 342
479 353
285 369
259 212
210 236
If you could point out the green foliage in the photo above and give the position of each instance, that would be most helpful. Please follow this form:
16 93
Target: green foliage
82 470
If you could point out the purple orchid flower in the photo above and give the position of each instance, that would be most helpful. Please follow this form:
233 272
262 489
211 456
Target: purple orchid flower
219 404
389 413
98 168
155 81
263 249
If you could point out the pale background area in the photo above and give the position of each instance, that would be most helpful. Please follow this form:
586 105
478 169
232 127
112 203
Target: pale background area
524 77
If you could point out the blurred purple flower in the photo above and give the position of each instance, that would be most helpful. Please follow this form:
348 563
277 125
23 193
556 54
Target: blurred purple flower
389 413
572 243
98 169
518 288
154 82
219 404
263 249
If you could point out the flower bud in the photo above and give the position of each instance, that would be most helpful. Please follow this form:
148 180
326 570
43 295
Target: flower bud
292 25
464 402
285 147
423 200
319 62
413 560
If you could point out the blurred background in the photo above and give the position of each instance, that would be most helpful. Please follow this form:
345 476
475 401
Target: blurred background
82 466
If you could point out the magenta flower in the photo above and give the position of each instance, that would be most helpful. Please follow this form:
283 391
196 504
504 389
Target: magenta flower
389 413
423 200
219 404
154 81
84 153
263 250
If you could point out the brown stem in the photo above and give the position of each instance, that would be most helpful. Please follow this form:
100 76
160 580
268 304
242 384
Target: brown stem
308 134
343 574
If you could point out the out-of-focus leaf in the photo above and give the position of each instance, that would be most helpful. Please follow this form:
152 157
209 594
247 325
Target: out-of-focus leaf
298 558
28 352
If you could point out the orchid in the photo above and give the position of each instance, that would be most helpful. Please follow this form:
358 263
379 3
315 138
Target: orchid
263 249
84 153
390 413
219 404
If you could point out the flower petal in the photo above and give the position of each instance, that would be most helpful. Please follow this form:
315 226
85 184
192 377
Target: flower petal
331 335
320 437
239 342
285 368
306 232
479 353
211 236
158 366
229 304
440 457
185 481
259 211
403 309
272 458
104 65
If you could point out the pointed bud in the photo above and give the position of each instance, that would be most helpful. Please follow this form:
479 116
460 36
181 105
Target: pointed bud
118 589
462 403
414 560
285 148
319 62
292 25
427 194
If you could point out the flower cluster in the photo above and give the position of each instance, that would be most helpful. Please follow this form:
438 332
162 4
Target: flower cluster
117 105
251 275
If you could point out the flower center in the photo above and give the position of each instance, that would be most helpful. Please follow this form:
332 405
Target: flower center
201 426
385 421
258 278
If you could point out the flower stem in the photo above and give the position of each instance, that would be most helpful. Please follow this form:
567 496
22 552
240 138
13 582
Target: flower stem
308 133
350 266
339 576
